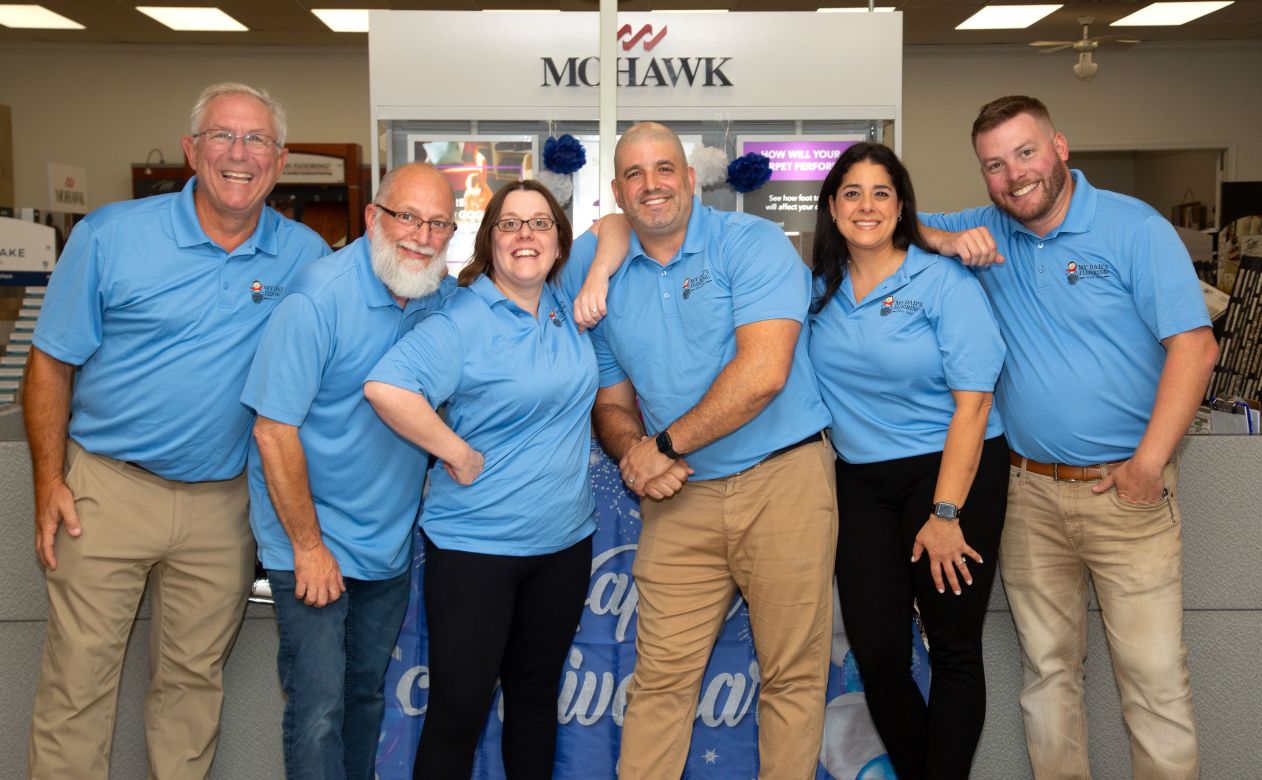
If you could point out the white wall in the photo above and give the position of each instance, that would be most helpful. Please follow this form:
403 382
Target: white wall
102 107
1151 96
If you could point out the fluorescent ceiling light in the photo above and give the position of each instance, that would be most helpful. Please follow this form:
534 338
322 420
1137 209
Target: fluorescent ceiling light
199 19
35 17
1169 14
852 10
1006 17
343 19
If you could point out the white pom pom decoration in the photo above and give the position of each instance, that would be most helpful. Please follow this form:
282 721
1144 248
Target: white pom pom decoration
562 185
710 163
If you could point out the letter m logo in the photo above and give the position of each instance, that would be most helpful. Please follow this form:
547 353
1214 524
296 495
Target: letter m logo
644 34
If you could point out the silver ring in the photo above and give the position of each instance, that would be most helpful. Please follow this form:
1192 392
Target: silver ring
593 310
631 481
962 559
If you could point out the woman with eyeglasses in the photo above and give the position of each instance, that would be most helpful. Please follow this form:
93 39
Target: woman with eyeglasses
509 515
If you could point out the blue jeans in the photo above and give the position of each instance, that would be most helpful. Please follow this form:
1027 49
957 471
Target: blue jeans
332 664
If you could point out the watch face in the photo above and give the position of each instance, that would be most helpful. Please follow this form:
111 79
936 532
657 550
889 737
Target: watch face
946 511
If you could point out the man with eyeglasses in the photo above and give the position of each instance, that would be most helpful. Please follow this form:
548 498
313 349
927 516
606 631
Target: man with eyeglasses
334 492
138 440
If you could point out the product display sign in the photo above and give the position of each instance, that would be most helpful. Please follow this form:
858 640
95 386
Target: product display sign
476 166
798 165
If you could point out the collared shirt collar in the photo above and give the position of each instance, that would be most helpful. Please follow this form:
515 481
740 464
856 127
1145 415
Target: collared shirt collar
694 238
189 232
1081 213
375 292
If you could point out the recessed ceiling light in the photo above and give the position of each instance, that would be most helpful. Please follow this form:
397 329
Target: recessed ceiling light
1169 14
343 19
1006 17
852 10
200 19
35 17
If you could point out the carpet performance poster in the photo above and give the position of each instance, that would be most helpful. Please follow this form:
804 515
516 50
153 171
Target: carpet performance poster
798 166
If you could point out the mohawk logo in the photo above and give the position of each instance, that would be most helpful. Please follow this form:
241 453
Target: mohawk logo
639 71
646 30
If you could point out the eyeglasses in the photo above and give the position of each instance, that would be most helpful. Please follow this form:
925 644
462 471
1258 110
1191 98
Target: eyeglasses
536 224
255 143
440 226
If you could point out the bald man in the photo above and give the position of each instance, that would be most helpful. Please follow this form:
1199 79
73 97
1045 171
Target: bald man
725 448
334 493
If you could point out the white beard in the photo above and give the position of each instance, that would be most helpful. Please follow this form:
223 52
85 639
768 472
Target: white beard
398 274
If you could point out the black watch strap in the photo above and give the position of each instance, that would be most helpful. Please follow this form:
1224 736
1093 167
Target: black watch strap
666 446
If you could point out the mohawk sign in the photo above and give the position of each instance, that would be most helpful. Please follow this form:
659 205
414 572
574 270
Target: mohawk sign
636 71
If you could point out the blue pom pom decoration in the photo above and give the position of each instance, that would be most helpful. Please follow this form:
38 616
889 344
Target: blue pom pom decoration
749 172
564 155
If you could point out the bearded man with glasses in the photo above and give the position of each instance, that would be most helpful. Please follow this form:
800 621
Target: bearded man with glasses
334 493
138 440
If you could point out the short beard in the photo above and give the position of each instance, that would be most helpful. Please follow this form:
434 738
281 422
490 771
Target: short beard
402 281
1055 184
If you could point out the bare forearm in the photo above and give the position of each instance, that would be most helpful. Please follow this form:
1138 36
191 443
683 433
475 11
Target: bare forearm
617 429
1190 359
285 469
963 447
46 391
412 417
764 356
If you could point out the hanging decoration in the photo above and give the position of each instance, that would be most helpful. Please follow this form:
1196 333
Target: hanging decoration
710 163
562 185
564 155
749 172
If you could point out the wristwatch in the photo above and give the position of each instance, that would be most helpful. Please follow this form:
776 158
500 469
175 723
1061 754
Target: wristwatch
945 510
666 446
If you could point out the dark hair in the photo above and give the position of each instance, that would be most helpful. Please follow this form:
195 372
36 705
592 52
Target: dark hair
484 244
830 255
1000 110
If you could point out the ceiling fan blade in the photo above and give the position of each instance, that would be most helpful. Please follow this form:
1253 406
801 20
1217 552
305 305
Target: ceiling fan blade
1056 48
1052 43
1114 38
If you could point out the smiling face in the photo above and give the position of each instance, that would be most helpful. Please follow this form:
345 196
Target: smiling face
653 183
233 182
1023 163
411 259
866 206
523 259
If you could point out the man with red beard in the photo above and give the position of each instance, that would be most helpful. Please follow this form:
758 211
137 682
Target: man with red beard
1109 353
334 493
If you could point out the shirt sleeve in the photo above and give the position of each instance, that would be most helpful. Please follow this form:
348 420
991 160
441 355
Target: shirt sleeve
611 372
768 280
957 220
1163 281
428 360
70 320
574 272
289 364
968 337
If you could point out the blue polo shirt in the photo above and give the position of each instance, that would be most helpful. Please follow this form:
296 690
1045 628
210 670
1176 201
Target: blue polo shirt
162 324
336 323
1083 311
887 365
671 329
519 390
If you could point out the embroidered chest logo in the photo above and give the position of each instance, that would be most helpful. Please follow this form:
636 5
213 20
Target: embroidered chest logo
260 292
889 306
691 283
1075 273
556 315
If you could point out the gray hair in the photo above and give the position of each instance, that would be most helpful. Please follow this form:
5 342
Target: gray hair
227 88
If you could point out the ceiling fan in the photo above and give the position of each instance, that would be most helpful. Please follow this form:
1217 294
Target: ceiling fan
1085 68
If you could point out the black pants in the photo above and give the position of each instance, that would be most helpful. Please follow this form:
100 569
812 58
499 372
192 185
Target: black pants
489 616
882 508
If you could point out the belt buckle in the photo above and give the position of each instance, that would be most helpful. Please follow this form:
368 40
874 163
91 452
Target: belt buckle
1055 472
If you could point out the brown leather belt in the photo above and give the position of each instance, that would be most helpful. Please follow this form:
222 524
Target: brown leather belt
1064 472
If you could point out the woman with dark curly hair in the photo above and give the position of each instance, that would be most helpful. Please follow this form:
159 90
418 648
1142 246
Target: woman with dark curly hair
907 354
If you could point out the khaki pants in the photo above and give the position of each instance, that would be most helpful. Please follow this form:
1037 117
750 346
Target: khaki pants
770 531
195 538
1056 535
